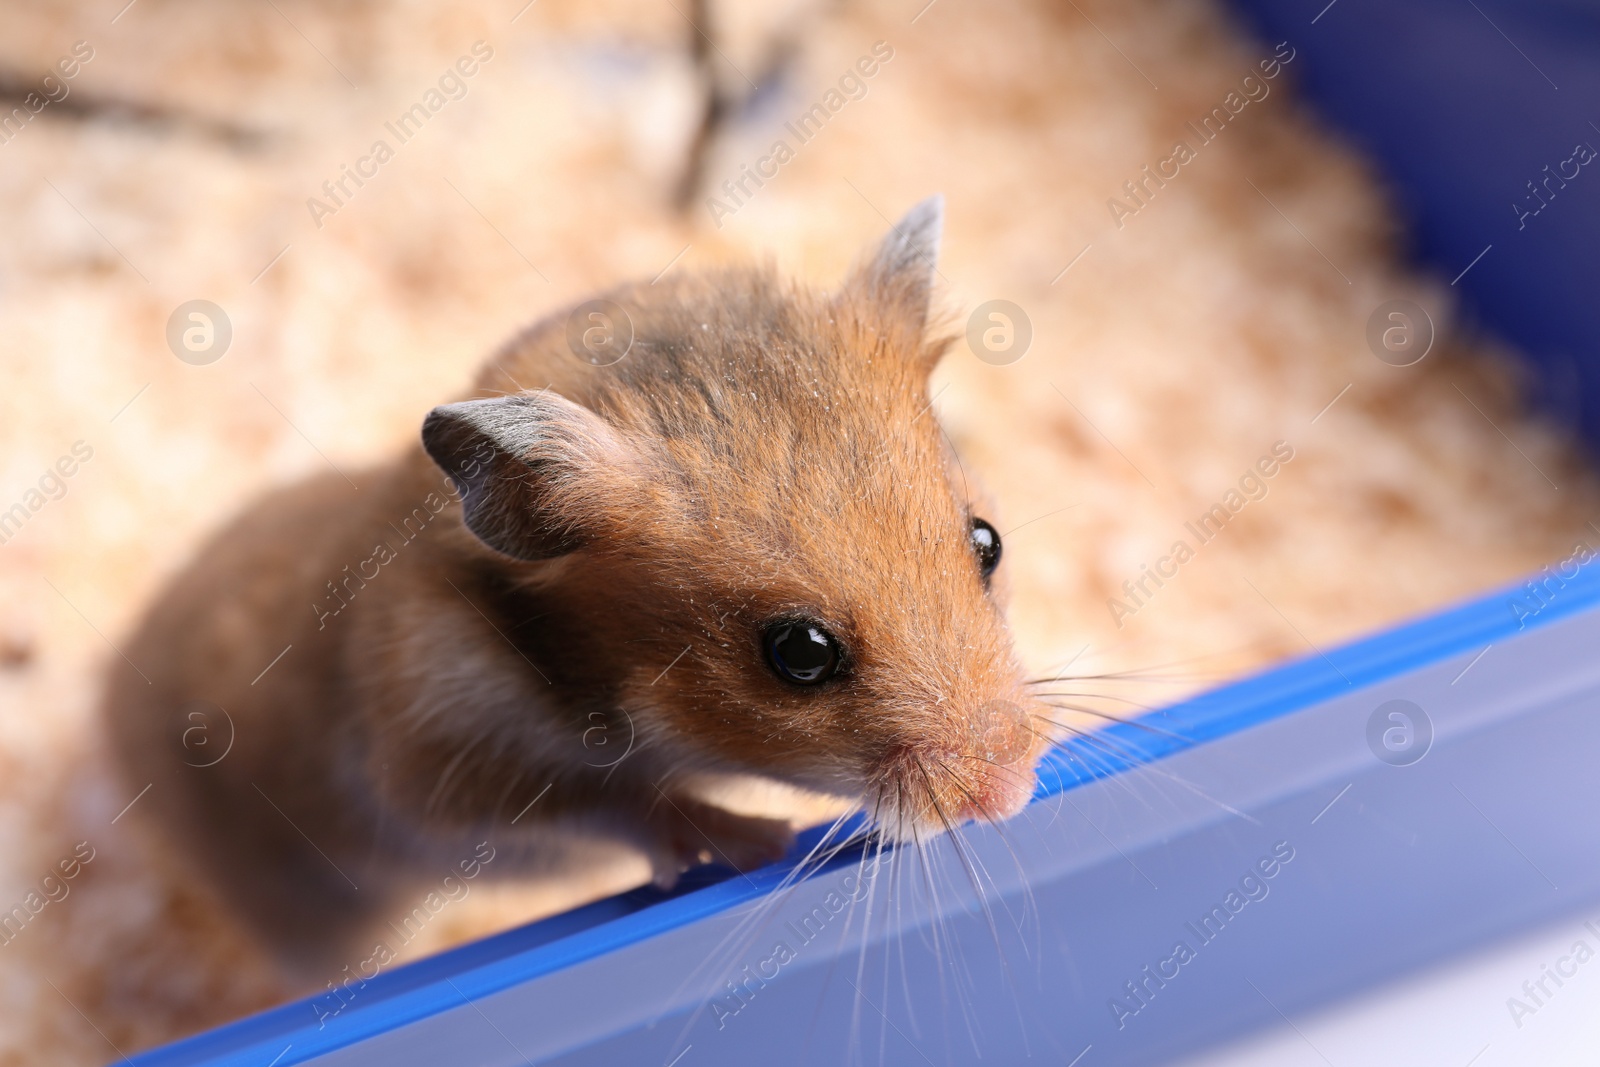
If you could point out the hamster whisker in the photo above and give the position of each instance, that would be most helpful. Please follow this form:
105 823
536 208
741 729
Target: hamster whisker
1135 723
1079 757
969 863
1057 737
738 941
1158 672
1056 698
1067 700
944 947
1080 695
1138 764
1100 761
872 848
1139 675
896 900
999 770
963 984
866 940
1004 834
441 787
1104 742
966 489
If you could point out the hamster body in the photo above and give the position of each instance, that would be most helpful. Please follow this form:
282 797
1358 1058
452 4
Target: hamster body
743 549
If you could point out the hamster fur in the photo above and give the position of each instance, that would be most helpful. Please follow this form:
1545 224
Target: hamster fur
583 548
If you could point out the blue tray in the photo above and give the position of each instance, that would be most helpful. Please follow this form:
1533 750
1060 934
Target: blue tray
1067 955
1070 912
1464 103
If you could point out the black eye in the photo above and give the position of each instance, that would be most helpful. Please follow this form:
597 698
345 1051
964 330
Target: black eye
801 652
986 543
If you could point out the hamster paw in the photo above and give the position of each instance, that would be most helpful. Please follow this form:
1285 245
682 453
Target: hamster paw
693 833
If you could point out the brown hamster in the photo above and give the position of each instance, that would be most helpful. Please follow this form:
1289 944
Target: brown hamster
745 548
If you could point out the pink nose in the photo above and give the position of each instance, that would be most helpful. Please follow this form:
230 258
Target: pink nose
1002 734
996 794
997 765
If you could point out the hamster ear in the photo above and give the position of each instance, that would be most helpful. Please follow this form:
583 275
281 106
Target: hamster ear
898 277
537 473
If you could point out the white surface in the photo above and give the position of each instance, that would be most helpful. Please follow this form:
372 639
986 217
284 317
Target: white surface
1454 1014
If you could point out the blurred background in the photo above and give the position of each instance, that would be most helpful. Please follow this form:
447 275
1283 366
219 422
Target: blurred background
366 198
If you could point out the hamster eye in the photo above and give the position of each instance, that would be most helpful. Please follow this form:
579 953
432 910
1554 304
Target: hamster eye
801 652
986 543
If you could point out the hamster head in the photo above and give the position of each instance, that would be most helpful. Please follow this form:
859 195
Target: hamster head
751 538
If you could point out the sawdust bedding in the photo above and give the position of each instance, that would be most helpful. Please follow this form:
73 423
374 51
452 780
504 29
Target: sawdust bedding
1175 342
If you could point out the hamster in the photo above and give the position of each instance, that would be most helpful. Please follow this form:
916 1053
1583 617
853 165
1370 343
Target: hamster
743 548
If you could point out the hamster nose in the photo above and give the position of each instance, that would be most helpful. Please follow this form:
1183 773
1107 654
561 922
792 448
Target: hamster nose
996 778
984 769
958 766
1000 795
1002 733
